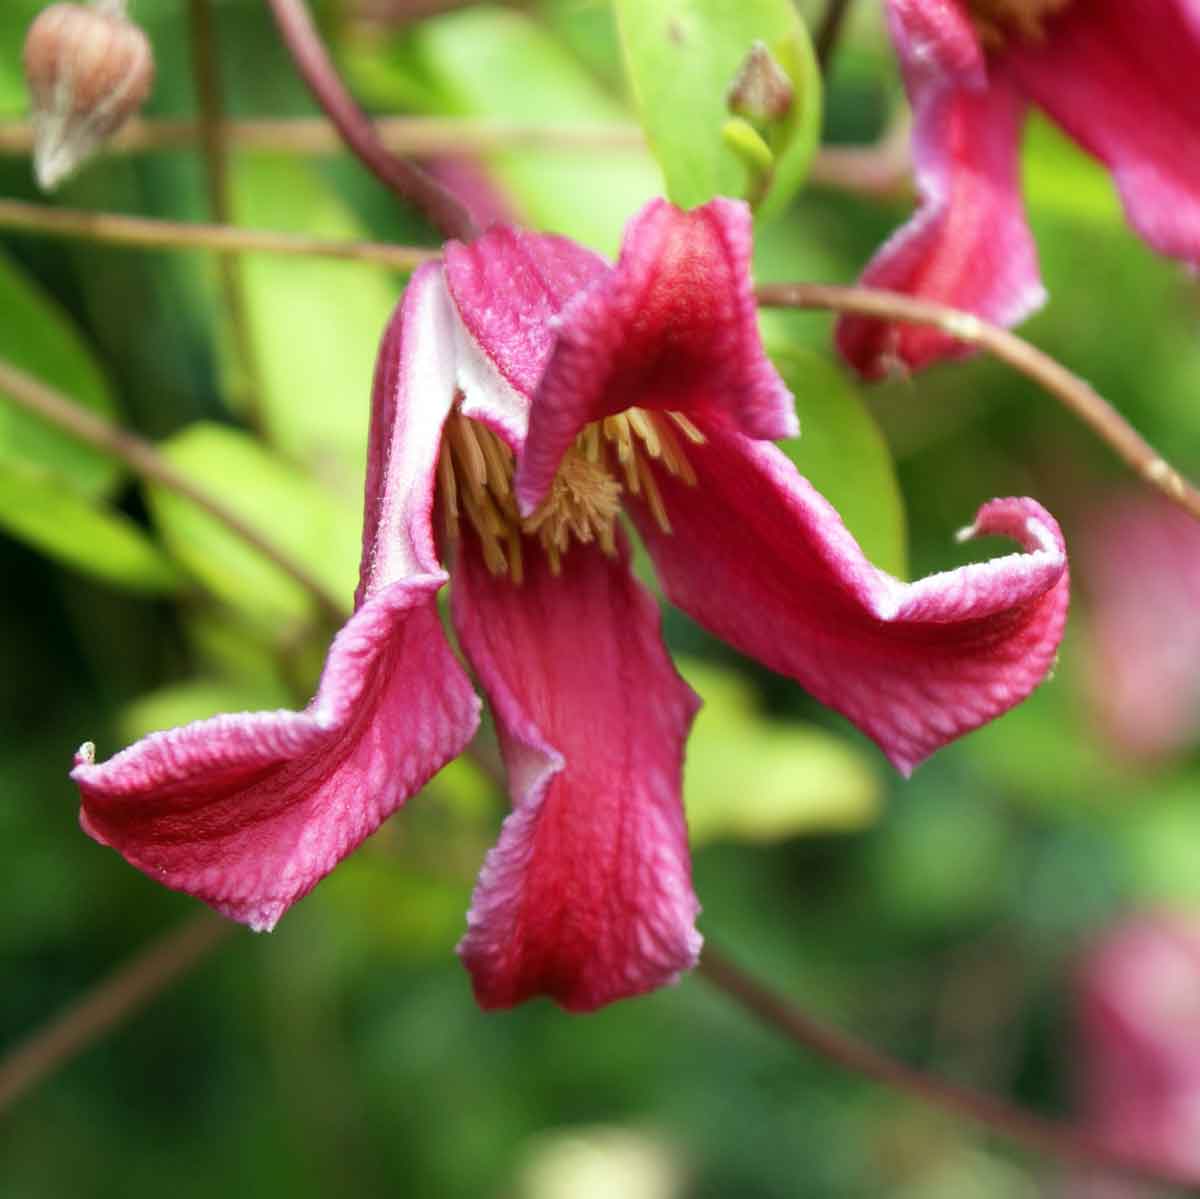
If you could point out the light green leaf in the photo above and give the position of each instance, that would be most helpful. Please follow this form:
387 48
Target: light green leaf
274 497
502 66
1060 178
45 511
315 325
36 336
751 779
681 57
841 451
195 699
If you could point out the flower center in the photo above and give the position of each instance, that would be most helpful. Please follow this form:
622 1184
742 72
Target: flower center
998 20
617 454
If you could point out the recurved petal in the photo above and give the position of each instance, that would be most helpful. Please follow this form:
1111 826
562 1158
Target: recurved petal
968 244
587 896
1121 79
249 811
508 287
673 326
762 559
936 43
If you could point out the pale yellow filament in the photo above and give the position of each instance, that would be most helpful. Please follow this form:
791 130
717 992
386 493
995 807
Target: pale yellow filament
998 20
620 453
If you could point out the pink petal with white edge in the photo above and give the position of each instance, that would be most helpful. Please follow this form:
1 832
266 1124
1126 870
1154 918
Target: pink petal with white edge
673 326
913 665
968 244
587 896
248 812
1121 79
936 43
508 287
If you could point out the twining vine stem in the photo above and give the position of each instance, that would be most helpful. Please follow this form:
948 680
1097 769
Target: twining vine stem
44 401
1074 393
1019 1126
1069 389
124 992
408 181
136 982
881 170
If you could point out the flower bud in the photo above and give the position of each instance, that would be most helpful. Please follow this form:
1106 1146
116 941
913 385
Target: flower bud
89 69
761 90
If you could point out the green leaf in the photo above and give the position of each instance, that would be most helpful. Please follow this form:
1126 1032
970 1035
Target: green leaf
36 336
841 451
195 699
681 57
502 66
45 511
315 325
1060 178
276 499
751 779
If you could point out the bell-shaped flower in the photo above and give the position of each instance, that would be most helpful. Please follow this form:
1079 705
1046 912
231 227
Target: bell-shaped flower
1140 564
1119 77
1137 1055
526 395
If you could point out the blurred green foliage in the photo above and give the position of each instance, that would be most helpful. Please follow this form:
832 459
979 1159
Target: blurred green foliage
344 1054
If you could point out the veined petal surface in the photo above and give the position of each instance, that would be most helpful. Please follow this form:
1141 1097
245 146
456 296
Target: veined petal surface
587 896
762 560
249 811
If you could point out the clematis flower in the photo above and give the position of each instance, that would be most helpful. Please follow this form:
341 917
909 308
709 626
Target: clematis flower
1139 1043
1117 76
526 394
1141 560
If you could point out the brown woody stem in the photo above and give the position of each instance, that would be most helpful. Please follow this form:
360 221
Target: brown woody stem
1068 388
145 461
409 182
1017 1125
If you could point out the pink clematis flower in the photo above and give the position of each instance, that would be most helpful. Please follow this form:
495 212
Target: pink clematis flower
1119 77
1139 1044
526 393
1141 562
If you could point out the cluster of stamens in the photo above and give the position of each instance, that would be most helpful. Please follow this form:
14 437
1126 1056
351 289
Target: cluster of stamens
611 456
998 20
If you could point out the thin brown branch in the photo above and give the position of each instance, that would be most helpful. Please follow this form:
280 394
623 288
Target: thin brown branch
409 182
407 136
1069 389
880 171
206 78
148 233
1014 1124
128 989
145 461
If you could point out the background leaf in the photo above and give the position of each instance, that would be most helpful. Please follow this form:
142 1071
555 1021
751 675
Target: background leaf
275 497
36 336
750 779
47 512
841 451
681 57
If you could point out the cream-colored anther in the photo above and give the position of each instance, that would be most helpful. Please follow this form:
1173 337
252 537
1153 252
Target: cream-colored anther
618 454
998 20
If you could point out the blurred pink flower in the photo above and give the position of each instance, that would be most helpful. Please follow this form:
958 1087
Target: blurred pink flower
525 393
1118 77
1139 1042
1141 563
